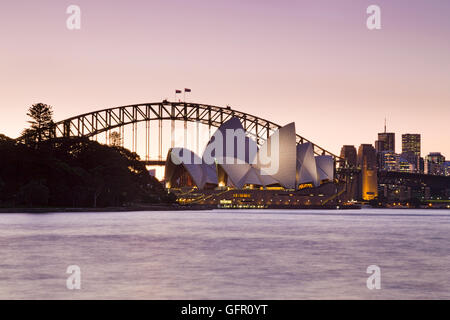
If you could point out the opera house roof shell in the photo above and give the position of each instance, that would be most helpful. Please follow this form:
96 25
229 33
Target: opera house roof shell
231 158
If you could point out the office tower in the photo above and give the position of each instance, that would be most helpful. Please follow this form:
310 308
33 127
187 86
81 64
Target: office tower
447 168
386 140
421 165
389 161
411 149
367 161
405 166
379 146
411 143
434 163
413 159
348 152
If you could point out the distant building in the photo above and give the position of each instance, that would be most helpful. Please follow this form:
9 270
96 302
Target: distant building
434 163
411 143
367 161
447 168
412 158
405 162
379 146
348 152
411 149
421 165
388 139
389 161
405 166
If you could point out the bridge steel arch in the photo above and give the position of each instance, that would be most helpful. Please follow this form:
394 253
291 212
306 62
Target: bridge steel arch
97 122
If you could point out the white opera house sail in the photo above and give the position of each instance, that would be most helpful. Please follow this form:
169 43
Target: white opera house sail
232 159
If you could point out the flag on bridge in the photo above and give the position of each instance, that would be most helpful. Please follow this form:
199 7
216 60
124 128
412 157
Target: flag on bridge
187 90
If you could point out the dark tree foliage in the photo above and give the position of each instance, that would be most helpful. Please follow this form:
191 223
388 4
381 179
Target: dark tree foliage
74 172
115 139
41 121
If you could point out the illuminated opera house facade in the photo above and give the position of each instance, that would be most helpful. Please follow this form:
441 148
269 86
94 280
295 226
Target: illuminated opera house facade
234 172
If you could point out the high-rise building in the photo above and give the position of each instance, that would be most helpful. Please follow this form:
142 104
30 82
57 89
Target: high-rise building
434 163
411 143
389 161
411 149
379 146
413 159
348 152
421 165
388 139
367 161
405 166
447 168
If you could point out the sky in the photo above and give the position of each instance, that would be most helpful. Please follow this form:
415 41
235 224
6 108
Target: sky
313 62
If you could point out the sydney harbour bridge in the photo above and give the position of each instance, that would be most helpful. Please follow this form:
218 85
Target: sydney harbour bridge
102 122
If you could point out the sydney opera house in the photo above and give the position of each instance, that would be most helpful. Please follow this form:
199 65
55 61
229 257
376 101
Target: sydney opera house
233 170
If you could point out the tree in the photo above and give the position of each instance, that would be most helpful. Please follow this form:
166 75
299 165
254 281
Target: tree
5 139
74 171
115 139
97 183
34 193
2 184
42 120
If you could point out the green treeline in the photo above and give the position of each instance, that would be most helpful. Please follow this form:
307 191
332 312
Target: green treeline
40 170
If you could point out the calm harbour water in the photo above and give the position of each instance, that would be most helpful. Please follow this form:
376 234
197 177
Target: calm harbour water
220 254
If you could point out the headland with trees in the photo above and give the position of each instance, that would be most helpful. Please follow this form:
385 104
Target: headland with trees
38 170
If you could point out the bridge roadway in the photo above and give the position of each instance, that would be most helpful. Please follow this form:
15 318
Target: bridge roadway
384 177
413 179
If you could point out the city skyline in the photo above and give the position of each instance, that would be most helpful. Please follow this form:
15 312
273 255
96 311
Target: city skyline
253 56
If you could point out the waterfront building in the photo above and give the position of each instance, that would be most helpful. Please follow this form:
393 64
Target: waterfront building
367 161
447 168
405 166
389 161
279 163
434 163
412 158
348 152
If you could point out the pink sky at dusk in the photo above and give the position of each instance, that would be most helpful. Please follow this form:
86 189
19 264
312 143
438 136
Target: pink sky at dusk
312 62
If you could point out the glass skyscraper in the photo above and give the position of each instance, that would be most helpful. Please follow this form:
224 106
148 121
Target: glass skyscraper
411 143
388 141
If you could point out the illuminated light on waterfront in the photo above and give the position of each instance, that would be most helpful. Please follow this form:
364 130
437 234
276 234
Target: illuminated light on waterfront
305 185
